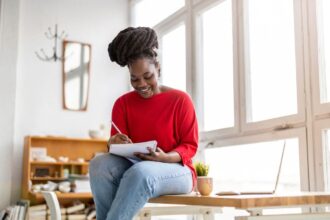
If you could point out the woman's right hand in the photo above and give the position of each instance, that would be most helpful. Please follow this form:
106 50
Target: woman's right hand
119 139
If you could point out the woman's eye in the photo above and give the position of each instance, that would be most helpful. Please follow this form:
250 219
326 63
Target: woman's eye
149 77
134 79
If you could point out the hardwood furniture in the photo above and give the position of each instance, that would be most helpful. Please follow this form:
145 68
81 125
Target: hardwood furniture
73 148
254 205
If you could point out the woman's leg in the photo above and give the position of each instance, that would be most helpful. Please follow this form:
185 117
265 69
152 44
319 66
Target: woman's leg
105 173
145 180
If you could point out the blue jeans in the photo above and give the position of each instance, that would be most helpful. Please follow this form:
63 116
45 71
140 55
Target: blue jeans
120 188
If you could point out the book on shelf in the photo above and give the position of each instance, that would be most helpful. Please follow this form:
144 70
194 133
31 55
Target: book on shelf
62 210
63 217
37 213
76 217
91 215
75 208
24 205
38 207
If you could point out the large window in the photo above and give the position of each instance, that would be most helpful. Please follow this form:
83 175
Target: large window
252 68
173 68
271 73
254 167
150 12
217 62
324 48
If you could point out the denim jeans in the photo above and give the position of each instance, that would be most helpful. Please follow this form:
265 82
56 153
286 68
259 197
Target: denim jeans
120 188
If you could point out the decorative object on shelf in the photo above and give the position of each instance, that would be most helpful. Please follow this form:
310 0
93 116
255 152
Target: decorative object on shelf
52 36
38 152
204 182
41 172
97 134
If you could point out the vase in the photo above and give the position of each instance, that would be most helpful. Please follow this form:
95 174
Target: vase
204 185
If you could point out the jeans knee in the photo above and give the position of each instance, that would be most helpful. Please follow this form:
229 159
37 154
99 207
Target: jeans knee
96 164
141 179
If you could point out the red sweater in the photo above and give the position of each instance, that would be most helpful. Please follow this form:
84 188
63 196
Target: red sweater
168 117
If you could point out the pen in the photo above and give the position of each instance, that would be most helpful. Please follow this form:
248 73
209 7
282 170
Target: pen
115 126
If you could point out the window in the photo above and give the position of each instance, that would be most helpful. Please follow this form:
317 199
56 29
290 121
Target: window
252 69
324 49
218 87
326 159
173 63
150 12
271 79
254 167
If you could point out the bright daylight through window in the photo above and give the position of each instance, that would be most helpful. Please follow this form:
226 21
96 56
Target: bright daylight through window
173 68
217 44
324 41
271 82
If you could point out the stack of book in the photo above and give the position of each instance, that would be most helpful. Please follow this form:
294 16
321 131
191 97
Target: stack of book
15 212
38 212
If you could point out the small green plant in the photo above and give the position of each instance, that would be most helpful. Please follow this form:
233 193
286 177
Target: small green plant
201 168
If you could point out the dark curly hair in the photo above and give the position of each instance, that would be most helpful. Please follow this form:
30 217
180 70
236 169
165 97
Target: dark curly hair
133 43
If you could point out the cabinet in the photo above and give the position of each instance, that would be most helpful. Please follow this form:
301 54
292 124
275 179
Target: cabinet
78 151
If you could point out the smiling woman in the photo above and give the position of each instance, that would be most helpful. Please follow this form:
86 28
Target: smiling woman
150 112
76 74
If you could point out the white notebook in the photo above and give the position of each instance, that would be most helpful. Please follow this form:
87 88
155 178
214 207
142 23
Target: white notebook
128 150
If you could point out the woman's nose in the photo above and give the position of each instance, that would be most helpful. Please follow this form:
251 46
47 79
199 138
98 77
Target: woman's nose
141 83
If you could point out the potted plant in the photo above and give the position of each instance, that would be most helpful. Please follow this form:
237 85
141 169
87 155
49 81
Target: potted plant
204 182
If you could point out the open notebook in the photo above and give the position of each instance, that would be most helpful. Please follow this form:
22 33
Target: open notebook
224 193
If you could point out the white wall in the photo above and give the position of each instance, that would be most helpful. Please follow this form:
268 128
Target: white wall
38 109
9 20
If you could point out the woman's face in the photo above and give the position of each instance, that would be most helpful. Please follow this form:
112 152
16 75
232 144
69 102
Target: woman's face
144 77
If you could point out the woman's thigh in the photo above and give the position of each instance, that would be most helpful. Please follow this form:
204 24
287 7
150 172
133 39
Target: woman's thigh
161 178
109 165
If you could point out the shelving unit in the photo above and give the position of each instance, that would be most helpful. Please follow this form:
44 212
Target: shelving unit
73 148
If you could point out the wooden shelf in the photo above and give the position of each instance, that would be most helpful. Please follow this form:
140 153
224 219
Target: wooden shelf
63 138
59 163
49 178
72 148
64 195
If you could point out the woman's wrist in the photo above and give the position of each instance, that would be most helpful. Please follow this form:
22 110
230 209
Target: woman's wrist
172 157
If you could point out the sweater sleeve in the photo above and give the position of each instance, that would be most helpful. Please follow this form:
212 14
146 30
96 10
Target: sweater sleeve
119 117
187 129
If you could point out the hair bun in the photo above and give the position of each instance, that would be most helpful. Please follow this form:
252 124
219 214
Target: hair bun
132 42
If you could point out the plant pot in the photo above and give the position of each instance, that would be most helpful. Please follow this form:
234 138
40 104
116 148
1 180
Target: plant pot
204 185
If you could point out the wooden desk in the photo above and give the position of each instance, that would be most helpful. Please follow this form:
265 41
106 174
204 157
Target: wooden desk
256 204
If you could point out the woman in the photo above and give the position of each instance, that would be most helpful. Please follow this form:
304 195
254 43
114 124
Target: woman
151 112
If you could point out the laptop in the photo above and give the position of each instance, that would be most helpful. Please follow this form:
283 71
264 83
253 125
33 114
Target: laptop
227 193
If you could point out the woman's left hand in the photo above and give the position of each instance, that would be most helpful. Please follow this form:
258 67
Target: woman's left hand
158 155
